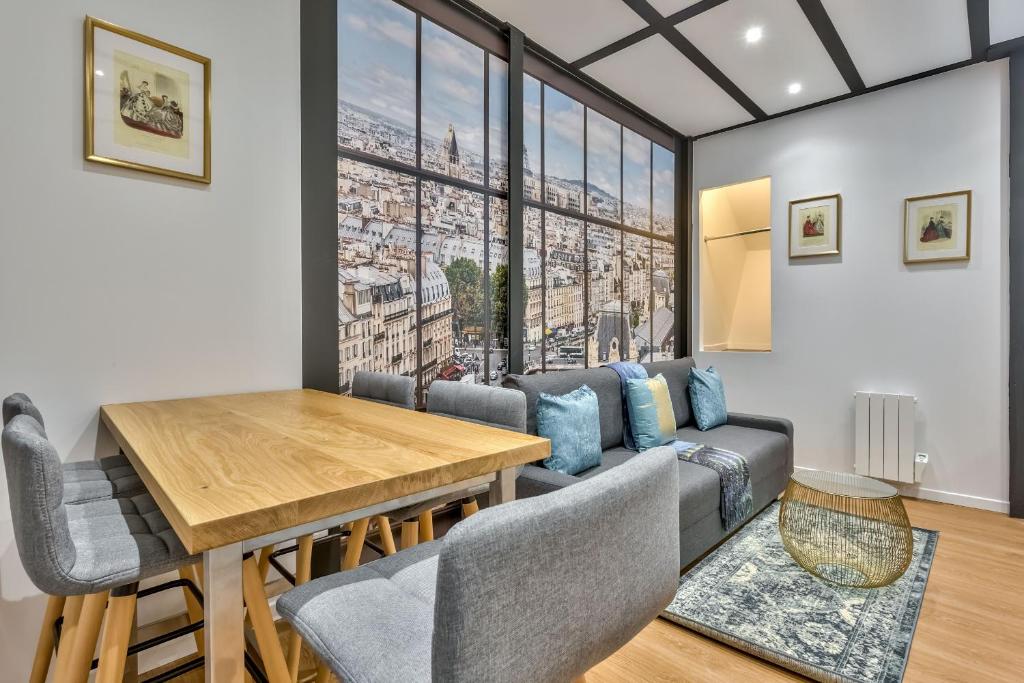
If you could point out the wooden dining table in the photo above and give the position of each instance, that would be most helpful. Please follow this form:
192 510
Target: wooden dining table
236 473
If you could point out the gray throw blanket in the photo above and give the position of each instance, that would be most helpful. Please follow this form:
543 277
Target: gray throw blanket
737 501
733 474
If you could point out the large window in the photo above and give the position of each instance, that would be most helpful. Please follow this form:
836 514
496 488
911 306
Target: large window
606 215
422 208
423 213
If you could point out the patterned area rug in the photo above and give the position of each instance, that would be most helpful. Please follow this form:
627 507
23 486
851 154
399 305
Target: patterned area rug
750 594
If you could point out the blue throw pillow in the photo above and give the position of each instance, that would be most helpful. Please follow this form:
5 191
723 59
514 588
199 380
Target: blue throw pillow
650 412
573 425
707 398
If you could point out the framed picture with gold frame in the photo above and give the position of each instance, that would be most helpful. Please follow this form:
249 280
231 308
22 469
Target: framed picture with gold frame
147 103
937 227
815 226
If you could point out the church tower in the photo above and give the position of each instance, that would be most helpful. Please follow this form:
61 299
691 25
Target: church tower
450 154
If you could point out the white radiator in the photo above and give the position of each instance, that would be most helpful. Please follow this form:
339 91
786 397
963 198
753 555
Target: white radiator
885 436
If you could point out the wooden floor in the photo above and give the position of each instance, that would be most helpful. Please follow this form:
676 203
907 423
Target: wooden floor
971 627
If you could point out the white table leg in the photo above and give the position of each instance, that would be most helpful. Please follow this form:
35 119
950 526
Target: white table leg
223 615
503 488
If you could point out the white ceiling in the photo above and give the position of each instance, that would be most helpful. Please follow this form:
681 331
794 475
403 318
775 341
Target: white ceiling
1006 19
667 7
886 40
654 76
569 28
789 52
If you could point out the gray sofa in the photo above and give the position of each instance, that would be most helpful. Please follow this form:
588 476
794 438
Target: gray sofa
766 442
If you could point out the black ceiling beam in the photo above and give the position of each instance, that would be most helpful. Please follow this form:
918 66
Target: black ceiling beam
690 51
652 29
829 37
977 22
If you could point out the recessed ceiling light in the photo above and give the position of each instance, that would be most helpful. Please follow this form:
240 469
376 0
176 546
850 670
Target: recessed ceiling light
794 88
754 34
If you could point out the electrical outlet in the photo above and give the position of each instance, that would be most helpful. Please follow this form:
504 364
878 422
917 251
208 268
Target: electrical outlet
921 458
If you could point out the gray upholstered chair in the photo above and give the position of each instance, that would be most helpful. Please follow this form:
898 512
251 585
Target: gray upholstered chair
88 480
538 590
393 390
491 406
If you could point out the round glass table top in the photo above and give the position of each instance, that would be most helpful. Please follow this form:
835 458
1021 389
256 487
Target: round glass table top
844 484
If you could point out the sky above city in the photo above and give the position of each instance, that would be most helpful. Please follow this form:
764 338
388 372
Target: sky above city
603 146
664 180
377 58
563 136
531 121
636 170
453 88
498 116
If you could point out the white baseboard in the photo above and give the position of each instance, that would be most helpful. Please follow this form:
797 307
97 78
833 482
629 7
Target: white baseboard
961 499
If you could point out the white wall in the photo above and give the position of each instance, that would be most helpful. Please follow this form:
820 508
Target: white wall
121 286
864 320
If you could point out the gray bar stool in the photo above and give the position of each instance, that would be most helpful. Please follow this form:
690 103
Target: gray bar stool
540 589
89 480
89 558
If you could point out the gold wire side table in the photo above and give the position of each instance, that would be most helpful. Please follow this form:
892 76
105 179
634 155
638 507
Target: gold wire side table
845 528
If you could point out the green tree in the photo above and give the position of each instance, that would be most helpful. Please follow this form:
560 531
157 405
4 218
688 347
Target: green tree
499 302
465 282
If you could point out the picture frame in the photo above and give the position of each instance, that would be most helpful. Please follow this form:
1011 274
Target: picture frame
147 103
937 227
815 226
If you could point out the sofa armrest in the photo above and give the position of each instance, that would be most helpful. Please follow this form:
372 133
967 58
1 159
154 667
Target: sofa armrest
770 424
536 481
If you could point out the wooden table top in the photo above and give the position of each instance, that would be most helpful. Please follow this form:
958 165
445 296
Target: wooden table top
228 468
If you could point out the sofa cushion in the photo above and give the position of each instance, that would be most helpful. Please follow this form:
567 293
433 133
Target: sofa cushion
651 418
700 492
604 382
765 451
677 374
613 457
572 424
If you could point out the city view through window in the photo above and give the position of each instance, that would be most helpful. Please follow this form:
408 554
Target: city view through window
423 279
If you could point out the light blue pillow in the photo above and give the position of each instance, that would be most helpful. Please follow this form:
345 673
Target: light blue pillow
651 417
573 425
707 398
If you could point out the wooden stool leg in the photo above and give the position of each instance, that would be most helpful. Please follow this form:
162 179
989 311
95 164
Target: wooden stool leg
44 646
323 674
410 534
470 508
86 634
303 571
264 563
117 631
72 610
355 544
387 539
192 606
580 679
426 530
263 622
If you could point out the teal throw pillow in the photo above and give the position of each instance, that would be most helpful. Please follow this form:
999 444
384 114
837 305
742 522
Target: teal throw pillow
573 425
650 412
707 398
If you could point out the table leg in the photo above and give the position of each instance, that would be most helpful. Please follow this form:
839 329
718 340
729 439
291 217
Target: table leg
503 488
222 606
